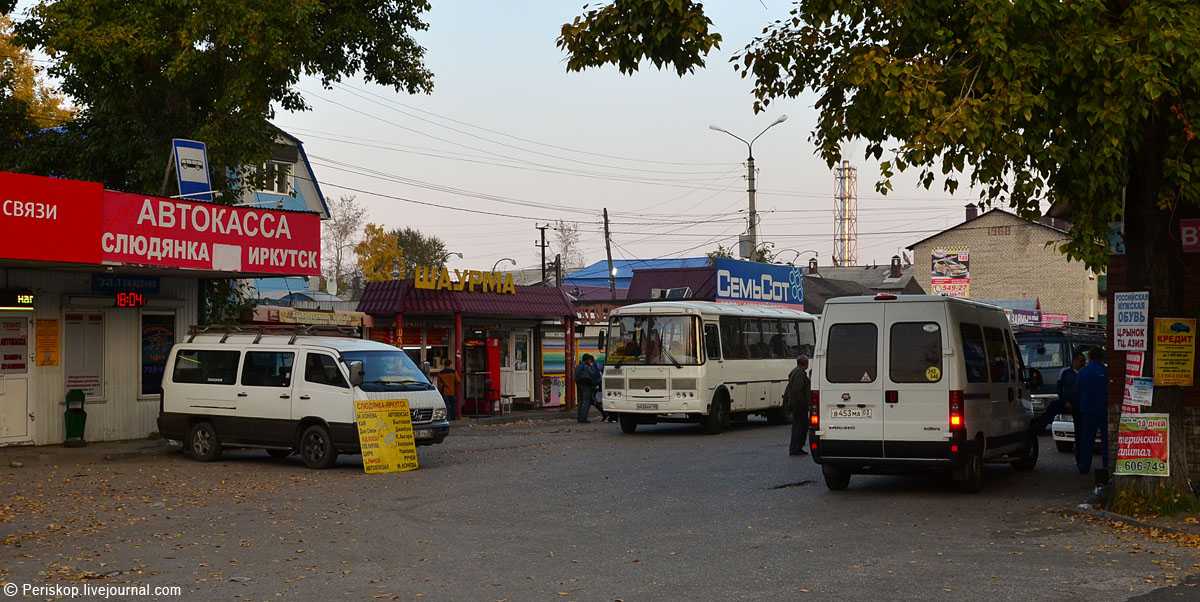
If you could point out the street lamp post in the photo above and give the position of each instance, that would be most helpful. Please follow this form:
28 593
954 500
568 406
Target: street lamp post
447 256
799 253
750 190
509 259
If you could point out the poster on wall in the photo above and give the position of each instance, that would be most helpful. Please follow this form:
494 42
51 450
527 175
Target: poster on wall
950 271
1174 351
1130 321
554 354
553 391
158 335
1134 360
1143 445
14 346
47 343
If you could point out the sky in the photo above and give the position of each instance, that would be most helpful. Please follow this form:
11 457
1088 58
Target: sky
512 140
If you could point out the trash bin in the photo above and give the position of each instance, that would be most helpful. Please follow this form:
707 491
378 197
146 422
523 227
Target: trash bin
75 419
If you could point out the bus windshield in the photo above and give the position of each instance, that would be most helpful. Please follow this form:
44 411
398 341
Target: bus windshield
388 371
653 341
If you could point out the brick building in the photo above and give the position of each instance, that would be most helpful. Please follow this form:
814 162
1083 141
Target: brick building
998 256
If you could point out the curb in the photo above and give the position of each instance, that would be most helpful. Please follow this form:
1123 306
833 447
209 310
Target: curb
514 418
1129 520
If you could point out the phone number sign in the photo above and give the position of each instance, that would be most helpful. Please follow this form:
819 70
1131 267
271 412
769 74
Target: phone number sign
1143 445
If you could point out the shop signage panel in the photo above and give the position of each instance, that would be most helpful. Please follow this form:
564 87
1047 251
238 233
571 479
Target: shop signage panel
1130 324
161 232
49 219
112 283
470 281
752 282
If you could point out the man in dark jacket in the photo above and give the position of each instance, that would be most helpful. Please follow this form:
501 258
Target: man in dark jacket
586 381
796 397
1093 415
1068 395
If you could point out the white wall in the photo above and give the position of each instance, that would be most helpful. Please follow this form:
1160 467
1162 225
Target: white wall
121 414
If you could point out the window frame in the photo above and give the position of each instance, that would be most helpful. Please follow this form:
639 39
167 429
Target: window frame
67 347
892 353
336 363
237 366
716 327
829 363
987 371
246 363
273 177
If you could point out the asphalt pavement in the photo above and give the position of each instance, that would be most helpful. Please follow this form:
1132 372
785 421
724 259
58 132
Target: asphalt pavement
559 511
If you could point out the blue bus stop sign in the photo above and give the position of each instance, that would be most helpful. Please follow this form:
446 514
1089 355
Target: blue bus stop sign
191 169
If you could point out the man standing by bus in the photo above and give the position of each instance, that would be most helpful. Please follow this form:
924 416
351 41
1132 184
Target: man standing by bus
1093 416
587 380
796 398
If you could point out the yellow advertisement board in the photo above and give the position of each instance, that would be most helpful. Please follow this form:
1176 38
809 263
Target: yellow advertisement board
47 343
1174 351
385 434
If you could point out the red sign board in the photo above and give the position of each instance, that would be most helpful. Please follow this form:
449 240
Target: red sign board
155 231
49 219
1189 235
68 221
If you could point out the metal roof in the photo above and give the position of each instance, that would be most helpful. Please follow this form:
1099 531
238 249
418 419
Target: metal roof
597 273
401 297
711 307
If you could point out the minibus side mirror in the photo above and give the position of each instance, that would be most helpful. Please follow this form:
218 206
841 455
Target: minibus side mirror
356 373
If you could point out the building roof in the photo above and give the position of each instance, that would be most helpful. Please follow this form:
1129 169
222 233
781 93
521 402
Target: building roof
401 297
1050 223
595 293
597 273
711 307
871 277
818 290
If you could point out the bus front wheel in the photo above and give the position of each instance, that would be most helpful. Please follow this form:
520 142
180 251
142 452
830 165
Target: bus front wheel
629 424
718 416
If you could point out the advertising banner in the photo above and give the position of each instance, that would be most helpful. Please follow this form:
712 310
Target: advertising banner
1143 445
1054 320
153 231
950 271
1189 235
1174 351
385 435
47 342
1134 360
1131 321
49 219
759 283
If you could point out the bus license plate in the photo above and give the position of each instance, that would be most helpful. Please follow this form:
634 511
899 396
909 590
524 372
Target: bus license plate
850 413
647 406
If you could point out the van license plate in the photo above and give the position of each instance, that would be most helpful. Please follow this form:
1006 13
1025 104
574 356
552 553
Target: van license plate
850 413
423 434
647 406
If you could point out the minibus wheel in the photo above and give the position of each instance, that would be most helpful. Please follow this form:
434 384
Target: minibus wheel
203 444
971 476
1030 459
316 447
836 479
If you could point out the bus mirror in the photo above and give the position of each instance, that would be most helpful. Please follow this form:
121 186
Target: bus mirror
356 373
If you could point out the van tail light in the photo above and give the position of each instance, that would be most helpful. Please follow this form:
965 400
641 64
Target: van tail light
956 418
814 410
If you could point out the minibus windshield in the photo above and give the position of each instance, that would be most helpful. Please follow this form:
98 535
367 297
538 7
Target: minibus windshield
388 371
653 341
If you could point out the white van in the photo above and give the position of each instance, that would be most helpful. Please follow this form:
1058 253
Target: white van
917 382
243 390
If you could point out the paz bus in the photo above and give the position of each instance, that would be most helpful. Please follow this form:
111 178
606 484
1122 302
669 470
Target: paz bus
700 361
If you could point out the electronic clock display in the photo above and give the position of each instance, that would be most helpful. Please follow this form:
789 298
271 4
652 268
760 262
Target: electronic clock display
130 299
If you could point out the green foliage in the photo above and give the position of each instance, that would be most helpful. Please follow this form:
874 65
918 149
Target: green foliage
765 253
1159 501
1030 101
624 32
142 73
420 250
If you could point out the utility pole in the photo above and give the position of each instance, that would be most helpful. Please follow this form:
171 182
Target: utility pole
558 270
542 246
753 230
612 277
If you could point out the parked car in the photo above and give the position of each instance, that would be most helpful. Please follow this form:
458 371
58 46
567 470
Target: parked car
917 383
241 390
1048 351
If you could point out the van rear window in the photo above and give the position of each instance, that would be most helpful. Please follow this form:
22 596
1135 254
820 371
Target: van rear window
852 355
915 353
204 367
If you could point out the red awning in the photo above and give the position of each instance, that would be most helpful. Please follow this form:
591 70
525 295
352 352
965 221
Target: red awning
401 297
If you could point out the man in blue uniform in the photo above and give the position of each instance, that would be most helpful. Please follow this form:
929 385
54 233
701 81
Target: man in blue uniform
1093 415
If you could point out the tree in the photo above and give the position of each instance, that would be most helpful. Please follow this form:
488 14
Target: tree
567 245
44 106
765 253
338 234
420 250
142 73
378 254
1080 103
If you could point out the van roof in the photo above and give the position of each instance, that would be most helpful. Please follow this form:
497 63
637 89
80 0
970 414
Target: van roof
247 339
712 307
909 299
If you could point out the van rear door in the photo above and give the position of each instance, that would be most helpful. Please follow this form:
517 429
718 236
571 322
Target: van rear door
916 390
850 383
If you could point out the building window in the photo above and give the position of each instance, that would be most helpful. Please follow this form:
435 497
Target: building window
84 361
158 336
276 177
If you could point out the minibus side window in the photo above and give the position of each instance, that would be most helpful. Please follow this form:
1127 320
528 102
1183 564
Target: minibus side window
974 353
268 369
916 353
204 367
997 354
853 355
712 342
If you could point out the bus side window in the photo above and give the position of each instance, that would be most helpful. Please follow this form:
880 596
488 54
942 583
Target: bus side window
712 341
